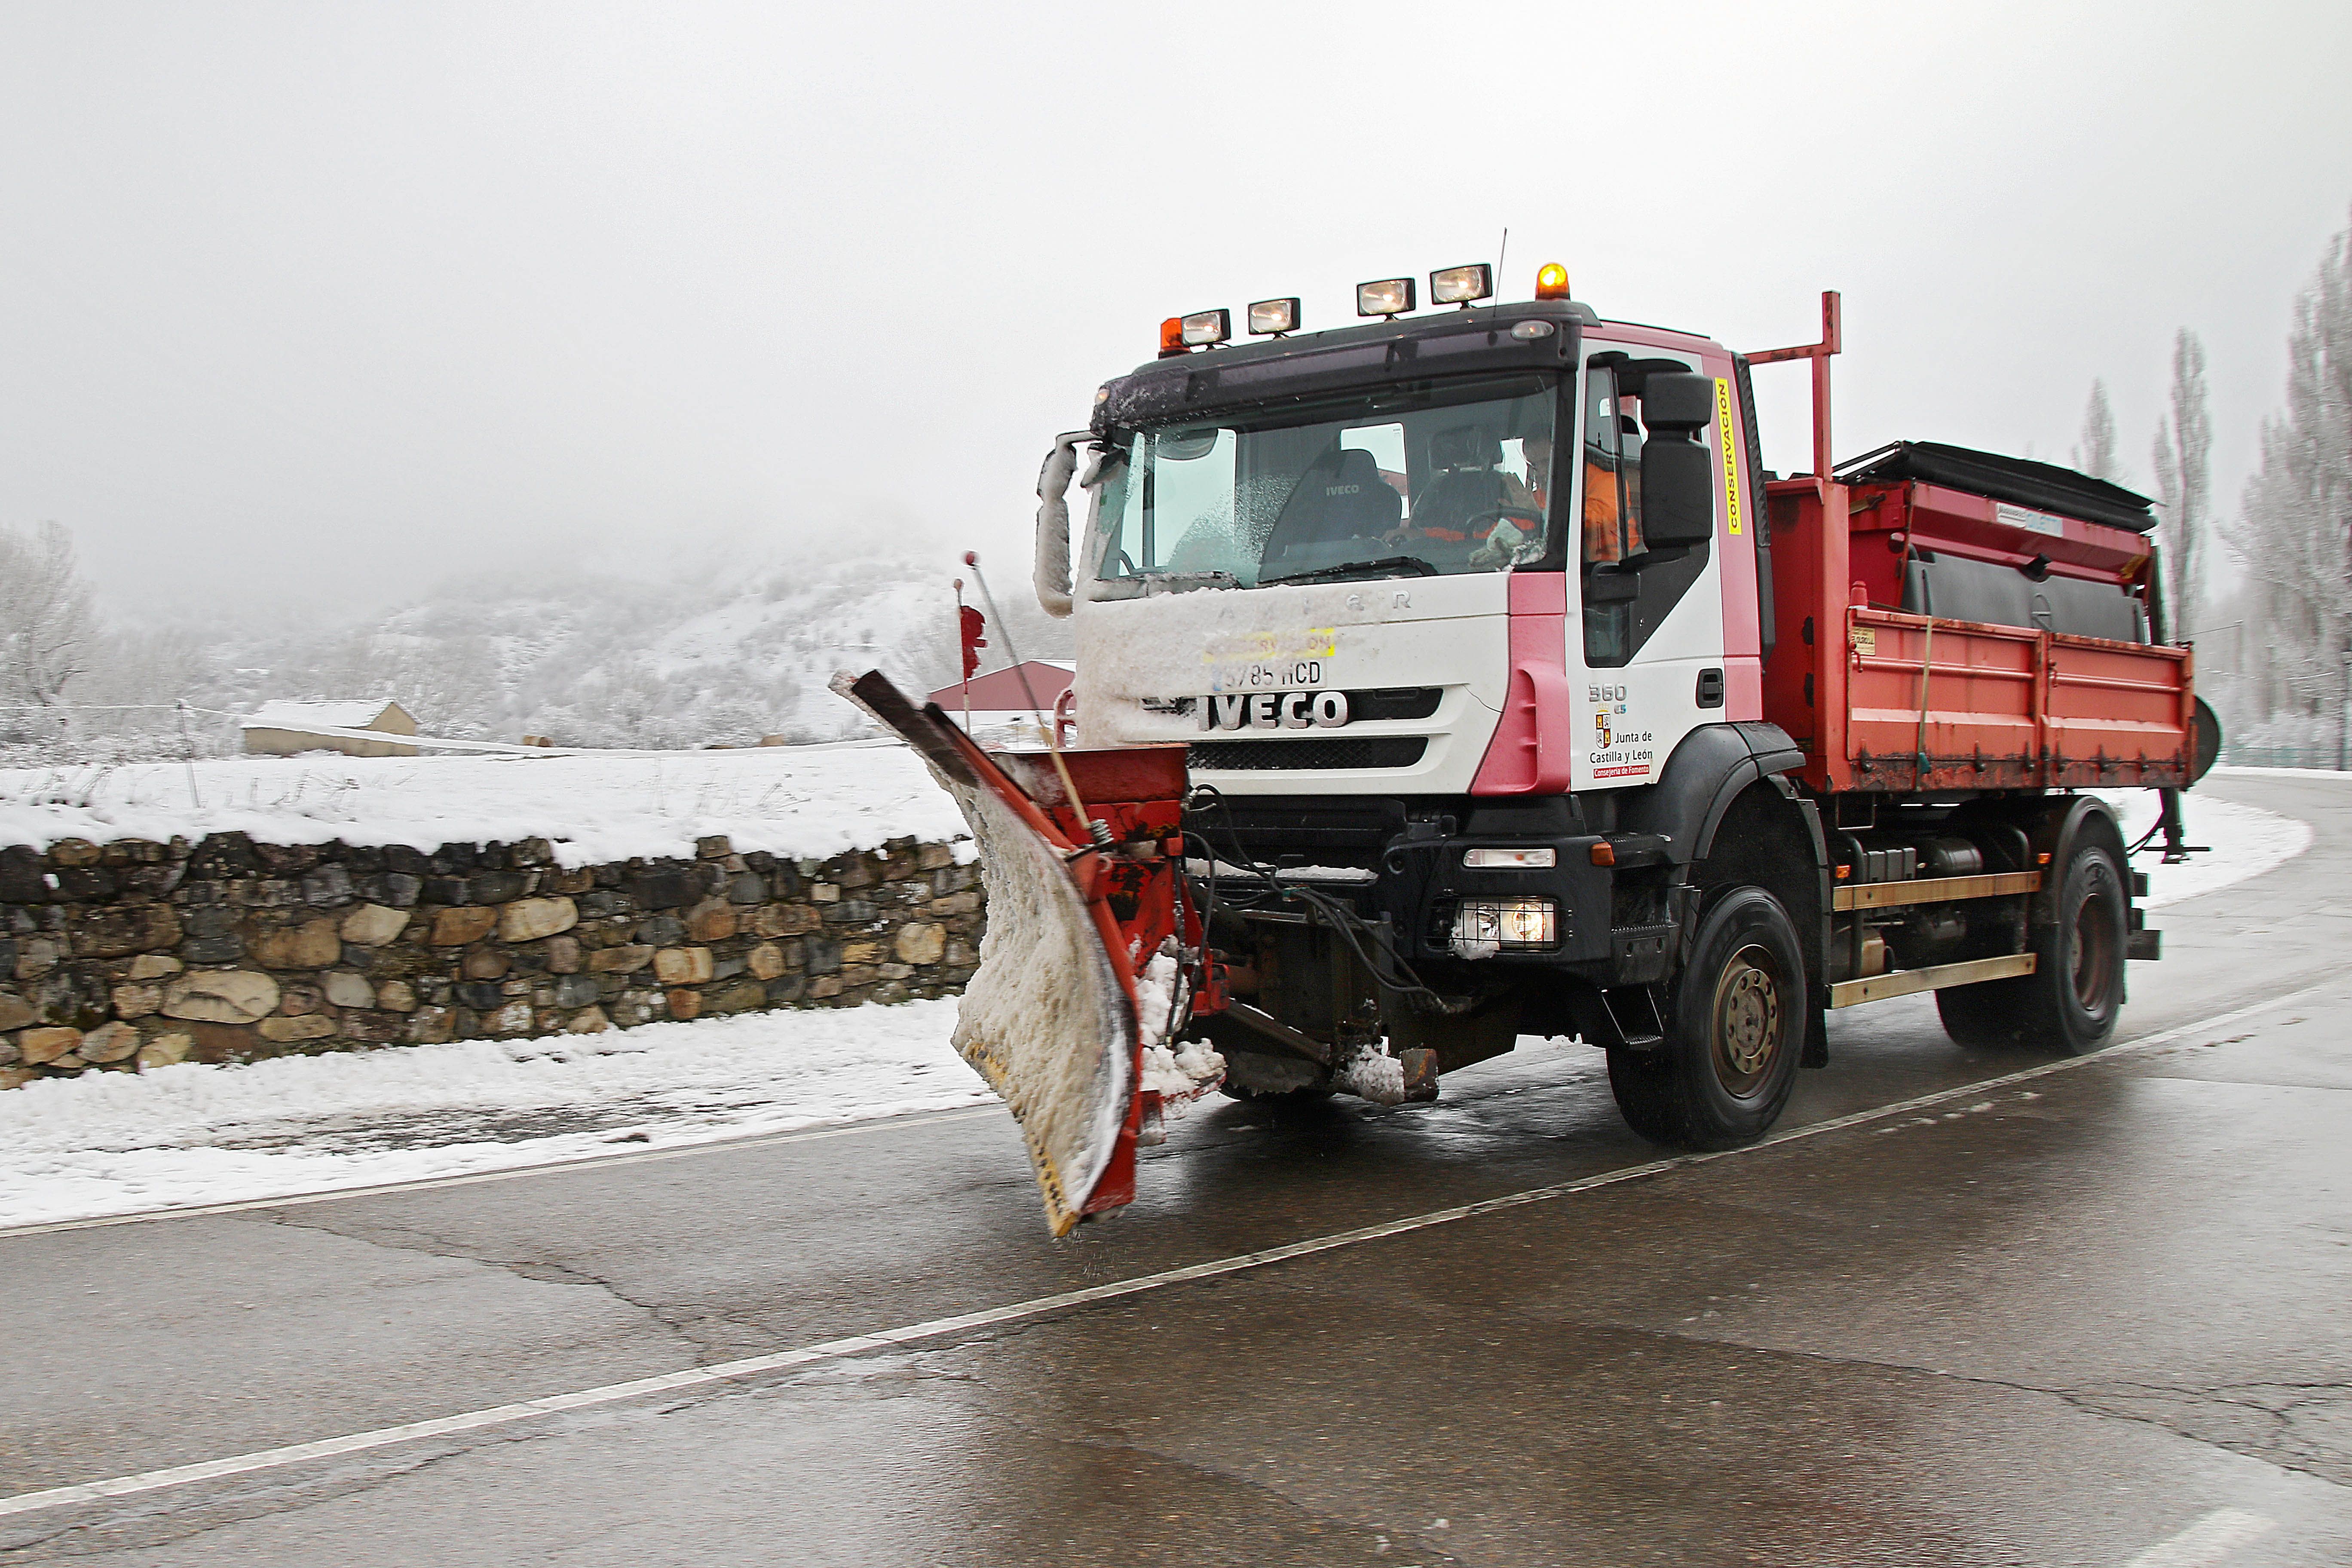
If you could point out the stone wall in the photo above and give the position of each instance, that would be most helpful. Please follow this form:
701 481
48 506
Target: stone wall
135 954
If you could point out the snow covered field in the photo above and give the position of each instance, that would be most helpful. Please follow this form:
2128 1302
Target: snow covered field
2245 843
113 1143
110 1143
811 802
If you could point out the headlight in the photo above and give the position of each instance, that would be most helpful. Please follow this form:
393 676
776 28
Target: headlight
1485 926
1388 297
1207 327
1461 285
1542 859
1272 316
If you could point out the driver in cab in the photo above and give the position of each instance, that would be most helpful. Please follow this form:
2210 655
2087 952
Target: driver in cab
1475 508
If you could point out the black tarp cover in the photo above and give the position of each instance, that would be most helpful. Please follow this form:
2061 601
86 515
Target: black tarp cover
2042 486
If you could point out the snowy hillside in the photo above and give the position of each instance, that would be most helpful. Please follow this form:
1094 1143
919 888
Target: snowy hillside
717 654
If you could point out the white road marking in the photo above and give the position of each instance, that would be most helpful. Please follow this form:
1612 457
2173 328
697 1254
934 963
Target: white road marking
2208 1541
704 1145
1042 1306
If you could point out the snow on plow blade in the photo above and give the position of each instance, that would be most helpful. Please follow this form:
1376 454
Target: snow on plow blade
1051 1018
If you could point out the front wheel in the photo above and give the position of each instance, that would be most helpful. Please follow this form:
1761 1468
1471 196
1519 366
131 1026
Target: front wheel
1735 1030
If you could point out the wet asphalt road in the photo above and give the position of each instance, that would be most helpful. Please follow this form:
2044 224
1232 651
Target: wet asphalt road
2064 1320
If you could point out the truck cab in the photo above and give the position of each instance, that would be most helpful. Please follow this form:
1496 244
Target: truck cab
1410 559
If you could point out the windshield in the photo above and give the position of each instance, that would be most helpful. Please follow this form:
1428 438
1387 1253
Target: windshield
1407 481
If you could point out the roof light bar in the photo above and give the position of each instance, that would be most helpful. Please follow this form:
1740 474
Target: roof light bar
1274 316
1461 285
1386 297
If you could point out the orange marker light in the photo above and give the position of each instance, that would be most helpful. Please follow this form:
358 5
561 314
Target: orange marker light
1604 854
1551 282
1172 337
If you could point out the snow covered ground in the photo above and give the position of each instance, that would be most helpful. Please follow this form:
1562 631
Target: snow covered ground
108 1143
114 1143
812 802
2244 842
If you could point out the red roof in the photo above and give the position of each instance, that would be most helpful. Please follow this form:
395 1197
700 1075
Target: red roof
1000 690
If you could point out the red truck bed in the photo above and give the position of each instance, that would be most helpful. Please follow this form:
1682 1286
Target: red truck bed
1883 700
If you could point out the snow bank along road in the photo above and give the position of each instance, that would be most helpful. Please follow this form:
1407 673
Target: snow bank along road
193 1136
2089 1316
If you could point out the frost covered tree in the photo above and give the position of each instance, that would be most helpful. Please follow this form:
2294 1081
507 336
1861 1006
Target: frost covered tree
2183 453
2096 455
47 625
2294 533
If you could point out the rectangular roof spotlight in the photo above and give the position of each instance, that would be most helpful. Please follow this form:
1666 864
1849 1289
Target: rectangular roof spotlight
1461 285
1207 327
1388 297
1275 316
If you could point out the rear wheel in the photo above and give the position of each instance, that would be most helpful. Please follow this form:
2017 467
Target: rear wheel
2072 1000
1735 1030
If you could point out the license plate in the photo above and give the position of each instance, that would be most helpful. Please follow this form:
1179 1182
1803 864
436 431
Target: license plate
1273 711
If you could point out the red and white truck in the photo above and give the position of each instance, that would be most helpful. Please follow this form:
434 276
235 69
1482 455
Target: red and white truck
1462 674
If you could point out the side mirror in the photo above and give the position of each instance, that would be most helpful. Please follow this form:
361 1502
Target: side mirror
1678 470
1677 491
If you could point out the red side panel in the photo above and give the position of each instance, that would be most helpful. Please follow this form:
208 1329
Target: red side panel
1534 741
1803 692
1884 700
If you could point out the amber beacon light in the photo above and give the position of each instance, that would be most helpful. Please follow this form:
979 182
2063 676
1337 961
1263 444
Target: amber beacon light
1551 281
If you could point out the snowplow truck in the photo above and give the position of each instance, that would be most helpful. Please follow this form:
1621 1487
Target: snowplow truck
1463 675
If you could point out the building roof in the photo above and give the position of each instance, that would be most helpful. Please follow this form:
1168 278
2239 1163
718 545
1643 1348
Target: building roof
357 714
999 690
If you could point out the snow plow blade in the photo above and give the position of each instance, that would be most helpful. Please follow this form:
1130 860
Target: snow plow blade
1081 969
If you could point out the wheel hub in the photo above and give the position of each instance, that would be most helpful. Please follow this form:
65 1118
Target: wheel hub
1746 1020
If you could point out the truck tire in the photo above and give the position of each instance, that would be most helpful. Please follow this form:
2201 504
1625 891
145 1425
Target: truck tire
1735 1030
2070 1003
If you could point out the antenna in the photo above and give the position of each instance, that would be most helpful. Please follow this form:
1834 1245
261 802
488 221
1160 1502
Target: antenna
1501 251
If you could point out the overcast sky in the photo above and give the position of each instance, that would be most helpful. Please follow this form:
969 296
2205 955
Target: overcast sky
323 303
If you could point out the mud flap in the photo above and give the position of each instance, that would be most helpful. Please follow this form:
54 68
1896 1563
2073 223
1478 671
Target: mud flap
1051 1018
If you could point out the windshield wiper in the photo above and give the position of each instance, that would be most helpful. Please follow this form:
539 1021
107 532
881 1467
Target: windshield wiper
1385 563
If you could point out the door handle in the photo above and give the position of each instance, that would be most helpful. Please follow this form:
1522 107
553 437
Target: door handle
1710 689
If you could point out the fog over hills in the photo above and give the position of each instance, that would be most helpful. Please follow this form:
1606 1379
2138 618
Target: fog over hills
707 654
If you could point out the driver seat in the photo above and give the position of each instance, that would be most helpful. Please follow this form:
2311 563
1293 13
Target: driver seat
1469 463
1341 497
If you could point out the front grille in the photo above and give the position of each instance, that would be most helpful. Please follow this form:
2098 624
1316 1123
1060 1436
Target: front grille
1394 702
1259 756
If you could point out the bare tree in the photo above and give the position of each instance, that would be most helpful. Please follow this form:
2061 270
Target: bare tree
2096 455
2183 453
47 625
2296 536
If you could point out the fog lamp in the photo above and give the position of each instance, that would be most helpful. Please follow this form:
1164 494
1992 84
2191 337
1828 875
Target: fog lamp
1461 285
1275 316
1551 283
1509 925
1207 327
1511 860
1388 297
